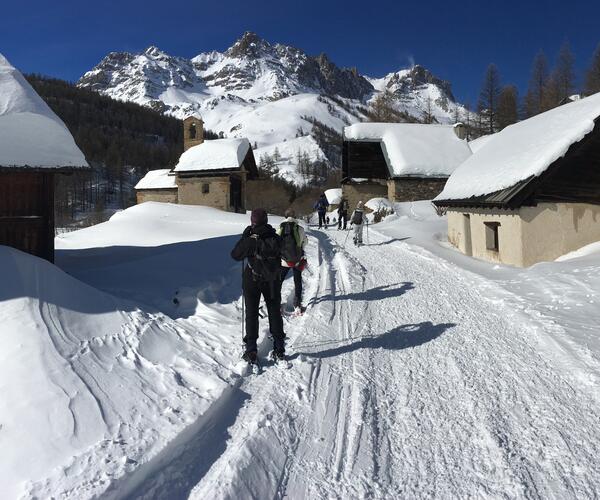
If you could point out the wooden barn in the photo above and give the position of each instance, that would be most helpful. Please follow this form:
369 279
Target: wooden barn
35 146
399 161
532 192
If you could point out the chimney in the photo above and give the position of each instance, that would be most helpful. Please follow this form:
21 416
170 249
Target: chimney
193 132
460 130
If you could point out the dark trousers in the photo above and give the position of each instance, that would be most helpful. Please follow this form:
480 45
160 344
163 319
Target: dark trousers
344 218
322 219
297 283
271 292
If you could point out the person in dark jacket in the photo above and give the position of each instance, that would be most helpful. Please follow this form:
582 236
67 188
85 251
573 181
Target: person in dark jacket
257 281
343 213
321 207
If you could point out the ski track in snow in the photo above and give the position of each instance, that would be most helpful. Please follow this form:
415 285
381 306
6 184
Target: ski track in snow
405 381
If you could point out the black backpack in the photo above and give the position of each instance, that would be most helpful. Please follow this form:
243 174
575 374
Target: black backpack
357 217
266 263
290 251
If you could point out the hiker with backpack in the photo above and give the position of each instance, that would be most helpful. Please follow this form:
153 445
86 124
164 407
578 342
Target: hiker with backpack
293 241
321 207
261 246
343 213
358 220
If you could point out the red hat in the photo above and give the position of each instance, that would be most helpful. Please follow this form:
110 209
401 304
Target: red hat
258 217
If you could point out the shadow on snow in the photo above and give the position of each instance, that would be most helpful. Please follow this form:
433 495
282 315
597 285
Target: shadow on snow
377 293
402 337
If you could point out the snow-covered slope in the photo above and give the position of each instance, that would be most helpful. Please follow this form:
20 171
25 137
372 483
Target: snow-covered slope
95 385
266 92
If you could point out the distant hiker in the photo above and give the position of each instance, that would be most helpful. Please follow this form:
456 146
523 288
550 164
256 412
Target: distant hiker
343 213
321 207
293 241
358 220
261 246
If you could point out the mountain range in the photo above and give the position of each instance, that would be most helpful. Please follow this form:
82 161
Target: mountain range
276 95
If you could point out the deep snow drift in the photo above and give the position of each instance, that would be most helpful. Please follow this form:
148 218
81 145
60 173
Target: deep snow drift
95 385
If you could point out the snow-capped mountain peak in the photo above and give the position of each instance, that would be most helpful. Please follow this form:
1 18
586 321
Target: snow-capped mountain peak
270 93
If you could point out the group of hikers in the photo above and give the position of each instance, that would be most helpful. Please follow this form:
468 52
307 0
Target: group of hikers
270 254
358 219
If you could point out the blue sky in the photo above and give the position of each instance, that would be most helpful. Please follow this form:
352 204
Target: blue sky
454 39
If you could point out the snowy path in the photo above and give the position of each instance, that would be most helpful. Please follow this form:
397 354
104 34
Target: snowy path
405 381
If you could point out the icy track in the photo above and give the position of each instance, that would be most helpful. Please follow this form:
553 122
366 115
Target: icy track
406 382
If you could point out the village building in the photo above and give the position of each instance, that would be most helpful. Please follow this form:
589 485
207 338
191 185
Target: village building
35 146
157 185
532 192
213 173
400 161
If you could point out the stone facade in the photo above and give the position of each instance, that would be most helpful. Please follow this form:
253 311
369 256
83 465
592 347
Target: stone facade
193 132
208 191
527 235
161 195
414 189
264 193
364 191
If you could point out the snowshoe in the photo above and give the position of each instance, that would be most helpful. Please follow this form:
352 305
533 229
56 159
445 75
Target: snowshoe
280 358
251 357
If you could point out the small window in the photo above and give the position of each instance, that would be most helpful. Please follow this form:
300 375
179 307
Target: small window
491 235
193 131
205 188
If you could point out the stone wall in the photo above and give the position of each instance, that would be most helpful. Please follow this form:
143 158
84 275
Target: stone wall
190 191
528 235
364 191
160 195
267 194
414 189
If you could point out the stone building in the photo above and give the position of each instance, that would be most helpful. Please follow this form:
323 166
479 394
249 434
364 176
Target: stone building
212 173
35 146
531 193
399 161
157 185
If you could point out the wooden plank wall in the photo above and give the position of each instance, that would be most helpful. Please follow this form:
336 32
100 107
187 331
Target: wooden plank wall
27 212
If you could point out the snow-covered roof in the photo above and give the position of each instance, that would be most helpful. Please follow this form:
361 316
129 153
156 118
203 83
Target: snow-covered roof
414 149
31 135
334 196
523 150
477 144
218 154
157 179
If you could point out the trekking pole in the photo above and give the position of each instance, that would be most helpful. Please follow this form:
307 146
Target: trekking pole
368 243
346 239
243 304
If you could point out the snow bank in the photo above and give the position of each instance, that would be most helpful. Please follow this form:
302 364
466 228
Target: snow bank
523 150
157 179
31 135
414 149
334 196
214 155
94 385
376 204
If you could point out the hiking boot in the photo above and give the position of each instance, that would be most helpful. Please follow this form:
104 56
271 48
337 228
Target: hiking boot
250 357
278 356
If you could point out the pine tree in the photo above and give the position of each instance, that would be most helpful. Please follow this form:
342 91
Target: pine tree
562 82
592 77
536 92
382 109
488 98
507 106
427 112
